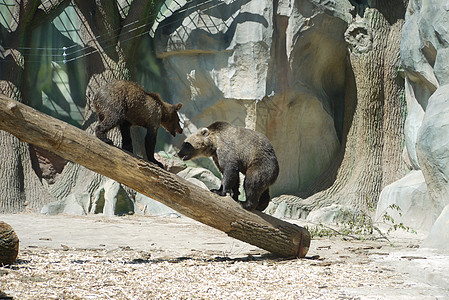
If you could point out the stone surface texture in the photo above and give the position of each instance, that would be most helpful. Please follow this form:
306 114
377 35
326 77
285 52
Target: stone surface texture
410 195
274 66
278 67
425 58
438 237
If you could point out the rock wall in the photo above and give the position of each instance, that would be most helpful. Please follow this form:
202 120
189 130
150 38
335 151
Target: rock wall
274 66
425 57
279 67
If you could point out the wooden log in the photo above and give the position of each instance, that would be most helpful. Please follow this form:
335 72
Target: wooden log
223 213
9 244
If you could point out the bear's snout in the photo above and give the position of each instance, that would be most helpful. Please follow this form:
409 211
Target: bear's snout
174 131
186 151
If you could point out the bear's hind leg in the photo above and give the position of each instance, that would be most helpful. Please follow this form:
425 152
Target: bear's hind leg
104 126
254 188
264 200
252 198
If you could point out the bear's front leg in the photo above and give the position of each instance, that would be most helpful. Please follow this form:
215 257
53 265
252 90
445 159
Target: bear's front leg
150 145
230 182
235 192
218 191
125 130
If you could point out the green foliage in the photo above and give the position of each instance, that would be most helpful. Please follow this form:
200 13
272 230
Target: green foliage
321 230
387 219
361 226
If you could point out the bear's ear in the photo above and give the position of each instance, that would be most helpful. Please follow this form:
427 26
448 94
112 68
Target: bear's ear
178 106
204 131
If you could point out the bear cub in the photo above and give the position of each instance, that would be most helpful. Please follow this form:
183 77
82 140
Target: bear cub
126 104
235 149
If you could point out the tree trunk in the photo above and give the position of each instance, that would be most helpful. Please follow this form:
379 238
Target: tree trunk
20 187
111 36
371 152
277 236
111 58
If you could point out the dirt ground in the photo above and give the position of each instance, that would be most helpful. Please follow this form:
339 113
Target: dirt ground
135 257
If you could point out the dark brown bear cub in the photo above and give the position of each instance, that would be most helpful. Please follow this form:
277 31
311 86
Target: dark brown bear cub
125 103
234 150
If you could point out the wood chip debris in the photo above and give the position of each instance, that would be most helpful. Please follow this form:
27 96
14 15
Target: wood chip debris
124 273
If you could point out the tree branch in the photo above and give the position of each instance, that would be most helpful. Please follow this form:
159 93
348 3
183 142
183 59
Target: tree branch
104 20
140 18
49 10
29 125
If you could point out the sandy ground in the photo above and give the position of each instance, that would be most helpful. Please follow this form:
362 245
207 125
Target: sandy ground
135 257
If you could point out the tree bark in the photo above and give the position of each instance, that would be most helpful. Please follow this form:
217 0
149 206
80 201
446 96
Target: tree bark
111 58
279 237
370 156
20 187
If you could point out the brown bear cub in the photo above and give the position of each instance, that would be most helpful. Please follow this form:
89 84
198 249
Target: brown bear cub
234 150
125 103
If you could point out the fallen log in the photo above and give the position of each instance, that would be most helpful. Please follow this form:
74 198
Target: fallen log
223 213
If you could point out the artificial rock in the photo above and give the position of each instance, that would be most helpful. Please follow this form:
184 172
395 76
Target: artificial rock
425 59
276 67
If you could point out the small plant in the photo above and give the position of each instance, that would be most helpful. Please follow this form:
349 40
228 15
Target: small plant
360 225
321 230
387 219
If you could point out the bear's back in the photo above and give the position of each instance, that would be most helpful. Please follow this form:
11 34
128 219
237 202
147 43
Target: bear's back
250 147
141 108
